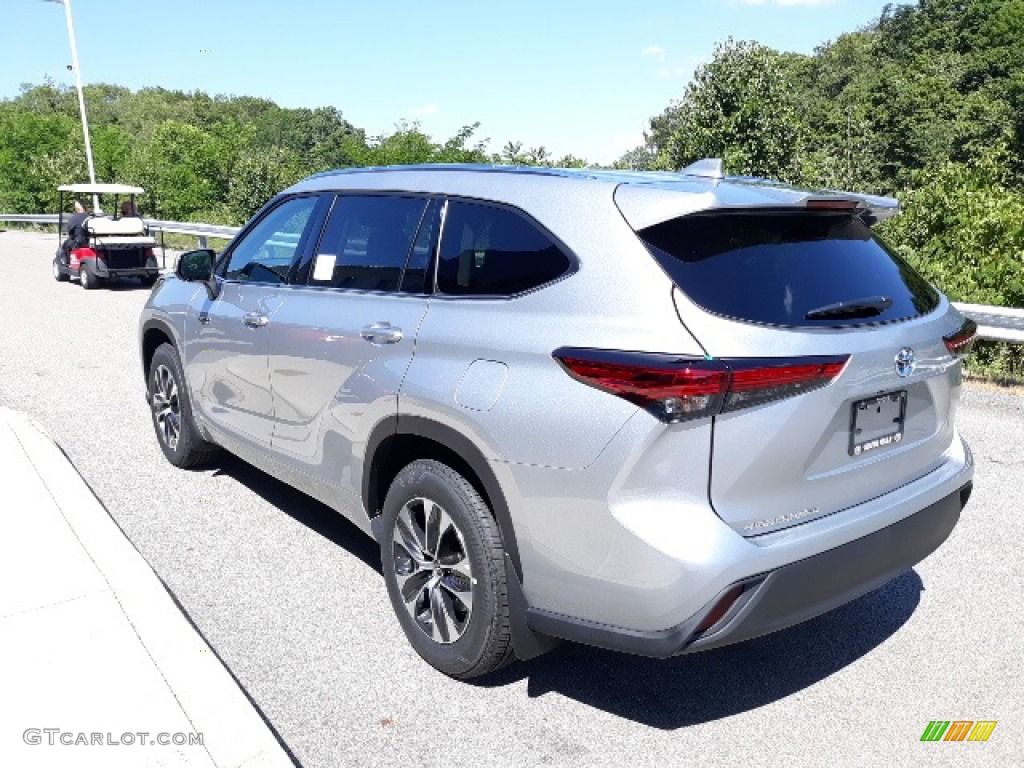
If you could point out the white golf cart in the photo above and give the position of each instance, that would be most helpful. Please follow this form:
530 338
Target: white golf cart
107 243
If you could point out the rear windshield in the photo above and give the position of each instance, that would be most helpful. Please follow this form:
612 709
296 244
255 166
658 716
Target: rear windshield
792 269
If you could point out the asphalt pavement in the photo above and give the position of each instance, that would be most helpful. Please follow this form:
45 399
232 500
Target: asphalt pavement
290 597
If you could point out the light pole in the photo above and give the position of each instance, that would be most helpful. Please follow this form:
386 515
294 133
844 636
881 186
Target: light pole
81 96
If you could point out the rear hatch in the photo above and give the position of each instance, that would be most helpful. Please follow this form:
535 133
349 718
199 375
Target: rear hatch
775 292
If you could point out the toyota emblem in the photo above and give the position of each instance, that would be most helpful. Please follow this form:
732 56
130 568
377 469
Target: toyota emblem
905 362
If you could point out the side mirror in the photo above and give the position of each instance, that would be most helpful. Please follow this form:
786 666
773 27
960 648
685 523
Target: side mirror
197 267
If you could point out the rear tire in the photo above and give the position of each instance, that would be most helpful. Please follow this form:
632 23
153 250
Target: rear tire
171 410
150 280
58 272
87 276
443 564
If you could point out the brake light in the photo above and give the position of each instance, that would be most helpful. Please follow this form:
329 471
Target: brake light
831 204
960 342
676 388
673 388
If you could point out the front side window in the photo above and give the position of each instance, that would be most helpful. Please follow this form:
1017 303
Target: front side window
265 253
367 242
493 251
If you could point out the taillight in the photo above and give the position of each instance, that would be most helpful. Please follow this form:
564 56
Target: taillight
959 342
831 204
677 388
757 381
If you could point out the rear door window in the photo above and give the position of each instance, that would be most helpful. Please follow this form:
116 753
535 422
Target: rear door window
494 251
366 242
789 269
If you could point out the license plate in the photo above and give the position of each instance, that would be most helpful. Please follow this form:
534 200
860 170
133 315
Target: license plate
877 422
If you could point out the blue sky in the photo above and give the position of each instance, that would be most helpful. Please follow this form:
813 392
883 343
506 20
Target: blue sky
575 77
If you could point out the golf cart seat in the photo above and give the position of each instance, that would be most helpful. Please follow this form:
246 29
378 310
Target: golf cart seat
127 226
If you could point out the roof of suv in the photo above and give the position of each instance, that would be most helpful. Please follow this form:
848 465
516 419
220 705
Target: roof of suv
644 197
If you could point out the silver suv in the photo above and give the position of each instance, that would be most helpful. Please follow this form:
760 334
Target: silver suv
651 412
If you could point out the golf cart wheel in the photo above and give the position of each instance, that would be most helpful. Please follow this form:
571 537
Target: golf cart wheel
58 273
87 276
150 279
443 564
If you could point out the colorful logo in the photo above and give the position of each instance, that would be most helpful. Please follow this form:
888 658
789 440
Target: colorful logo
959 730
906 362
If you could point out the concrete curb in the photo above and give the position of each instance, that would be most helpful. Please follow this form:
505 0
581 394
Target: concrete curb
234 732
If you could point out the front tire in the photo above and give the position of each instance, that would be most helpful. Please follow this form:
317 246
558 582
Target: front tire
58 273
443 564
171 410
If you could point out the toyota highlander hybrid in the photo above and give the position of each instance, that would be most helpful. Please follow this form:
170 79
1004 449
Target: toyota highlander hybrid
651 412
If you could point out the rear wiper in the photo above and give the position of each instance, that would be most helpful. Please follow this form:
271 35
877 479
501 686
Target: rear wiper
867 307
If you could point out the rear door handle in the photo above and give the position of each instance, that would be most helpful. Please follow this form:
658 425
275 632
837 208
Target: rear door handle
381 333
255 319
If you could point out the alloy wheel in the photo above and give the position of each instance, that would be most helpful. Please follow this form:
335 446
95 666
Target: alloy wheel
166 406
433 571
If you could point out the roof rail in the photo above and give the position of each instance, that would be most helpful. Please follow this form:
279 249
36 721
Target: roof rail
708 168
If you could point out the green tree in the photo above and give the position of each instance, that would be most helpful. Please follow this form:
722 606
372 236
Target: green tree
255 178
34 150
739 107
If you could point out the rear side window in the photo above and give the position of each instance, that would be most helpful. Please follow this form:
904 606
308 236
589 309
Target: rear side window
488 250
366 242
791 269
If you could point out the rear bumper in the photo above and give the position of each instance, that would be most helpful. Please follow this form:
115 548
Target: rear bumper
784 596
103 271
107 273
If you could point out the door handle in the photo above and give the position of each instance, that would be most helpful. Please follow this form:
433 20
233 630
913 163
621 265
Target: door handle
381 333
255 319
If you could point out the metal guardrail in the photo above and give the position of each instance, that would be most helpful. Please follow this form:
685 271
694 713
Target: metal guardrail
994 323
200 231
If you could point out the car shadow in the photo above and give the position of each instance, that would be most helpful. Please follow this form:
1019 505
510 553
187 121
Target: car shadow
302 508
698 688
665 694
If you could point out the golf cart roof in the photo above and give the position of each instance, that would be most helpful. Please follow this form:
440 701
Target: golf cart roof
101 189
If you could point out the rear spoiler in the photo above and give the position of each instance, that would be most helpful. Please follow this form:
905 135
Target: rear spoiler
703 187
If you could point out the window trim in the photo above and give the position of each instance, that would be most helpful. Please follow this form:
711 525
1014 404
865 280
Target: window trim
429 273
